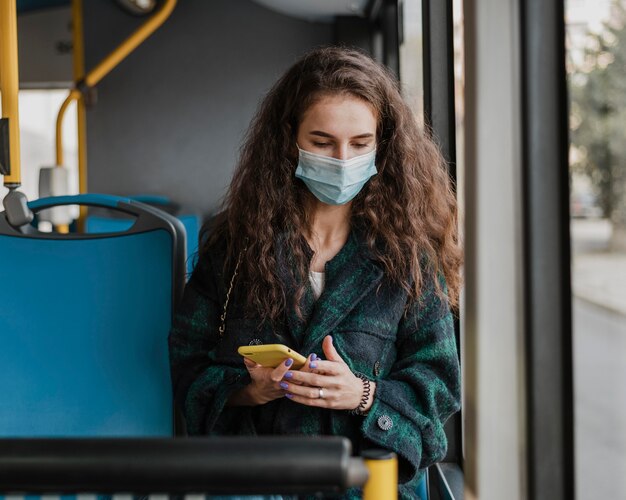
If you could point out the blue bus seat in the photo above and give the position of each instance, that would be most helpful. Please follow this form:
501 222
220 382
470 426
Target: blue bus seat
84 324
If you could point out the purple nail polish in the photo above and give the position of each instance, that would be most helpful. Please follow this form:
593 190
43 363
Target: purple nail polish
287 395
284 385
313 357
288 374
288 362
312 365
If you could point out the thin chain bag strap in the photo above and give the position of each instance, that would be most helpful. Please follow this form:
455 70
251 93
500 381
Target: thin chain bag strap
222 327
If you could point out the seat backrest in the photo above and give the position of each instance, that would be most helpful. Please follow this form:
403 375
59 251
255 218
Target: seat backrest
191 223
105 223
84 320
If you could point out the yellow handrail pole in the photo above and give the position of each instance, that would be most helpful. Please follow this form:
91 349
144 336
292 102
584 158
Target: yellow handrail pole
383 475
79 73
81 113
109 62
9 85
73 95
93 77
130 44
77 40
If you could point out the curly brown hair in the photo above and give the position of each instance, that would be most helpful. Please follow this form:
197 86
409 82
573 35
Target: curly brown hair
408 212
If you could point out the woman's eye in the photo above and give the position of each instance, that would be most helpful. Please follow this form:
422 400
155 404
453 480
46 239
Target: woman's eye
361 146
321 144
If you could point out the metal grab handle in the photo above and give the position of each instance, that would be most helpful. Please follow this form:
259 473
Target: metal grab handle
17 210
100 200
224 465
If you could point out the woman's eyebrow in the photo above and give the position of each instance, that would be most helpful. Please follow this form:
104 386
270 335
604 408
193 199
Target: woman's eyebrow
330 136
321 134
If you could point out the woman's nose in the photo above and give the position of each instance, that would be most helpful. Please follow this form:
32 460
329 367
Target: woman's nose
342 152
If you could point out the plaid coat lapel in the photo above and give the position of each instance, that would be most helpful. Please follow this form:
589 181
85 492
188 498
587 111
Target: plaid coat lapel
350 276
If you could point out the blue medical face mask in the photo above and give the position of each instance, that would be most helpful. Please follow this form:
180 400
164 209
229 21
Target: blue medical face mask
334 181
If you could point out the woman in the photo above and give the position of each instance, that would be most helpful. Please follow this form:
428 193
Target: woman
338 238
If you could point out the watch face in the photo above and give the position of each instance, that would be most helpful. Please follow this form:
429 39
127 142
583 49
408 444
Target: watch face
137 7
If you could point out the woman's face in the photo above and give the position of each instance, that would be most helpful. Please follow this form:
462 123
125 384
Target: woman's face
340 126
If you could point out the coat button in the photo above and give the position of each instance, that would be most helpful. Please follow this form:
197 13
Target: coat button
377 368
255 342
385 422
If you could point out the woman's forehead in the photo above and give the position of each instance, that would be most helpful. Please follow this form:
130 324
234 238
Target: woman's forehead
342 113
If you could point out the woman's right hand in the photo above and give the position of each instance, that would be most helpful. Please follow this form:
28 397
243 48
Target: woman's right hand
265 385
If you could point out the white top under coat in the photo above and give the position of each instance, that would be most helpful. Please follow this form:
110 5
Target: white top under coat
317 283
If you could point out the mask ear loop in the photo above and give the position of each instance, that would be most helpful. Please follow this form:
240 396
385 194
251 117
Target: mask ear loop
298 155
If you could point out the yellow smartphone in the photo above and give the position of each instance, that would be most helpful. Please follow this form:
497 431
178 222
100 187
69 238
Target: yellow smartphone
271 355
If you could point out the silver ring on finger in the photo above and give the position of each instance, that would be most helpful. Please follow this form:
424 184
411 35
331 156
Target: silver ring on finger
321 392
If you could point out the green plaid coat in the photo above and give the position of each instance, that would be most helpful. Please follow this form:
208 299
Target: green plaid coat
412 357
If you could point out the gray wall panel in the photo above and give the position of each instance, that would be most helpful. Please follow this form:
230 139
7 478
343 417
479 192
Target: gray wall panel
44 44
171 118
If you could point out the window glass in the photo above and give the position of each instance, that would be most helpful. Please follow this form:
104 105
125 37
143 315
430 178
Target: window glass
596 64
411 68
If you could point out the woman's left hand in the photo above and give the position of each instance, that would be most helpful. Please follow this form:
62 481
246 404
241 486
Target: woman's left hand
330 385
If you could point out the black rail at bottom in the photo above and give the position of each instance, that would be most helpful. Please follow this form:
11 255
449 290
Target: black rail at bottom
221 465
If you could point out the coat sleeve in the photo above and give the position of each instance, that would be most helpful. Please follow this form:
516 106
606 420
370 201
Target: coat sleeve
201 385
422 390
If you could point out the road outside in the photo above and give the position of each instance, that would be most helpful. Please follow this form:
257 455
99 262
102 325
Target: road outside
599 284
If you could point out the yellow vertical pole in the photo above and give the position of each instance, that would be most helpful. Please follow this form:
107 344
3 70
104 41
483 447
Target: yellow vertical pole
81 114
383 475
79 74
9 84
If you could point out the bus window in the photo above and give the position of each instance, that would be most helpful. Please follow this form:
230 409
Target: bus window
411 47
596 42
